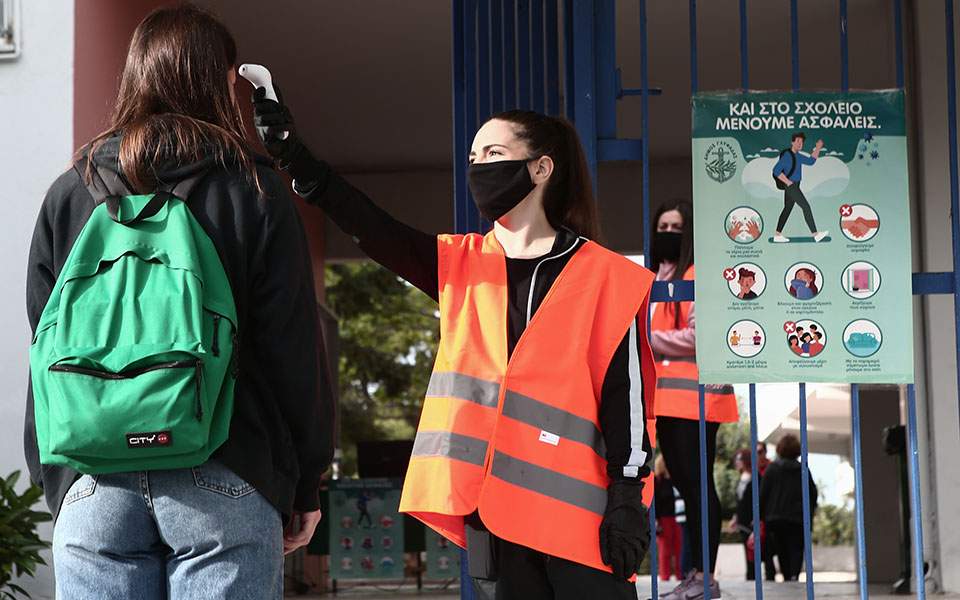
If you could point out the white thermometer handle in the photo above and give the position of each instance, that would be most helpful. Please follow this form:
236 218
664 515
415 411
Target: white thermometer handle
260 76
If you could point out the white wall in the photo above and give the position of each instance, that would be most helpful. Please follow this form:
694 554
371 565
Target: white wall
36 142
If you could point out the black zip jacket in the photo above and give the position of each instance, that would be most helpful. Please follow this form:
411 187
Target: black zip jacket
781 494
412 255
281 434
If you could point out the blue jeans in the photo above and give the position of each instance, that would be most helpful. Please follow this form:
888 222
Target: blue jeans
186 533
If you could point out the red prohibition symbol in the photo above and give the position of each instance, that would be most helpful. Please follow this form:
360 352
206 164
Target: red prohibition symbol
730 274
846 210
789 327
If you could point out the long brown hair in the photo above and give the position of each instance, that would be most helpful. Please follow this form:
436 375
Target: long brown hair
568 197
685 259
174 105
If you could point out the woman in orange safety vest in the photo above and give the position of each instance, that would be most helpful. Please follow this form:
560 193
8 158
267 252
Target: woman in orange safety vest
532 443
677 399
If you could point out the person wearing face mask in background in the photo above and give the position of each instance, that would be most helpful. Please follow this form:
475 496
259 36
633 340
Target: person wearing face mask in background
677 406
532 443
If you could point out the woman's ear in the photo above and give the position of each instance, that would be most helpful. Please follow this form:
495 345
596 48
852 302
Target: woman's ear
541 169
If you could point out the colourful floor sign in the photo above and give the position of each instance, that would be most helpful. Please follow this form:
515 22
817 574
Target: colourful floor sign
802 237
366 529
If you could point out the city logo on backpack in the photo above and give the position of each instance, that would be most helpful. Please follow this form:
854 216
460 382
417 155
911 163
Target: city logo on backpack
136 346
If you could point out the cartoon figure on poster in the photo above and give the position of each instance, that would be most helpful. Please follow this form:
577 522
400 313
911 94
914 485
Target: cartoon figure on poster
805 338
363 507
804 281
746 281
787 175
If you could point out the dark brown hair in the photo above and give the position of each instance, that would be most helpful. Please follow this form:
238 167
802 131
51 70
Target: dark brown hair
788 448
174 105
685 259
568 197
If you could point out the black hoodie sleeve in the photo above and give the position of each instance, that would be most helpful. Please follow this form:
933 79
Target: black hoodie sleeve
285 336
58 225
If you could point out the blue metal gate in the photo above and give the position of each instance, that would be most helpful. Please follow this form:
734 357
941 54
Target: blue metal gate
506 54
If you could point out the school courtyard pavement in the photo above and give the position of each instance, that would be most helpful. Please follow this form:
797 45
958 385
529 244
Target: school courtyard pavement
740 590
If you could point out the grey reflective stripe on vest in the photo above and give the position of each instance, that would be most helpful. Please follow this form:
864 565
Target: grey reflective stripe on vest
450 445
677 383
718 388
464 387
549 483
690 385
553 420
692 360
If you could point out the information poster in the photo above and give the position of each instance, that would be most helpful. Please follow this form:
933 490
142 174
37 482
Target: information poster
802 237
366 529
443 557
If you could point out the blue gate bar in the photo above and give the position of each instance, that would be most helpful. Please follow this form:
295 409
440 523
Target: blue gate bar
645 132
584 99
805 488
952 144
914 474
858 490
496 55
569 85
536 52
523 53
472 217
509 54
483 62
704 507
459 123
553 59
758 565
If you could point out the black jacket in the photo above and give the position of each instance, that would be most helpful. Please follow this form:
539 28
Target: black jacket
781 497
281 434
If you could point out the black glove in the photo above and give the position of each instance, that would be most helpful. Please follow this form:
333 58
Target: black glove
272 119
625 530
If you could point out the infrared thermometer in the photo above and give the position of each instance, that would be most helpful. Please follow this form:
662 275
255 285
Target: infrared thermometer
259 76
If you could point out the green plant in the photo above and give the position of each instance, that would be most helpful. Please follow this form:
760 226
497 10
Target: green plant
20 545
833 526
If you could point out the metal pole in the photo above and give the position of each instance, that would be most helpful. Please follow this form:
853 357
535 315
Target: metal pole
805 488
954 187
914 474
755 500
858 490
744 55
523 52
704 507
496 54
553 60
844 49
460 199
536 51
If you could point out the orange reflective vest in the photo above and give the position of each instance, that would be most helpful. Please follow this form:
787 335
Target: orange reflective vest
677 376
519 440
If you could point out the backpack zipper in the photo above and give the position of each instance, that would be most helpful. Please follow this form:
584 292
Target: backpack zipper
199 379
215 346
130 374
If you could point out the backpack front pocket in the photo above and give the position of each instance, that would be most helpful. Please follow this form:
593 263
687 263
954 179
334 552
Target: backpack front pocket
150 410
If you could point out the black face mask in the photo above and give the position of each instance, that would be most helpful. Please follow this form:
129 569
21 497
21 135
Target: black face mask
498 187
665 245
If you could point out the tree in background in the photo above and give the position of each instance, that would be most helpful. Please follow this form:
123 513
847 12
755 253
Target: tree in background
388 336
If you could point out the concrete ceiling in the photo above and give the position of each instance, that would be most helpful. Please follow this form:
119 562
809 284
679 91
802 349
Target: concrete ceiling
369 81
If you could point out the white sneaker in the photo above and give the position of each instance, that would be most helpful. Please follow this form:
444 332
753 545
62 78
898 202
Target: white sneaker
820 235
780 239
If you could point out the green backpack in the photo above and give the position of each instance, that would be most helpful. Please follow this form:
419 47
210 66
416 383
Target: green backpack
135 356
